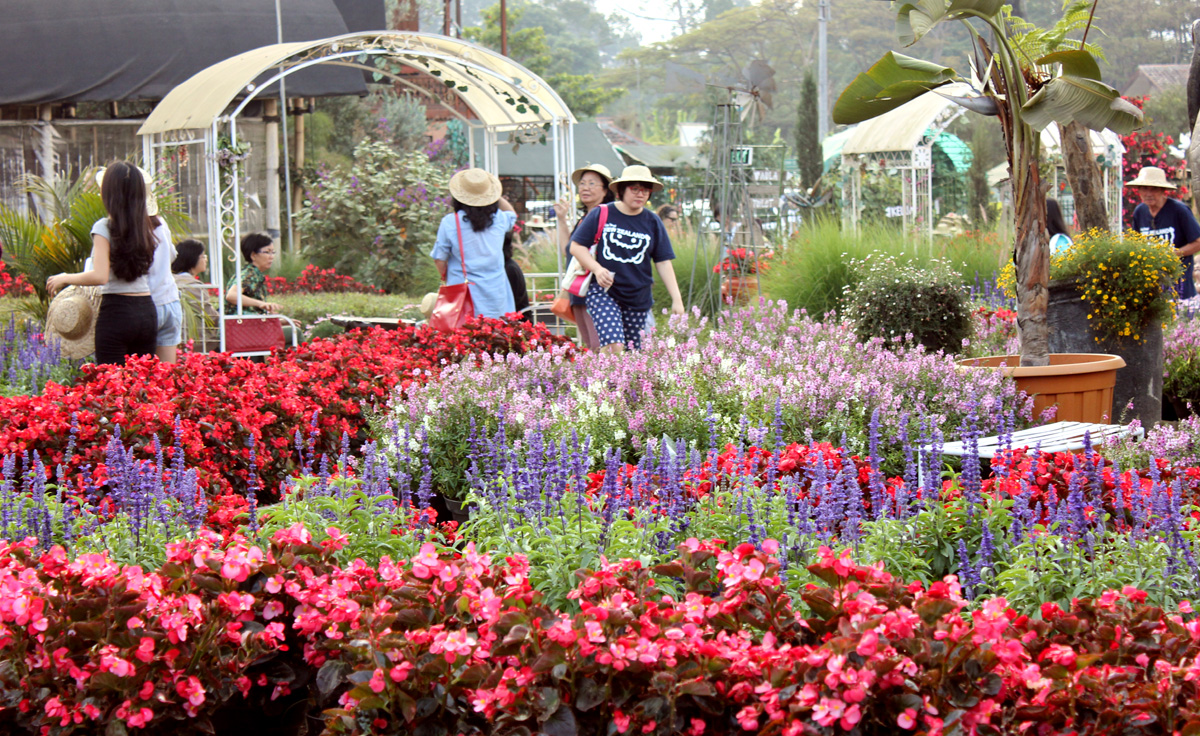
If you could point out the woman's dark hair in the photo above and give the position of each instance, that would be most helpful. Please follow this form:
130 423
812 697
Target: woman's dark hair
187 255
666 211
480 218
253 243
508 245
130 230
1054 219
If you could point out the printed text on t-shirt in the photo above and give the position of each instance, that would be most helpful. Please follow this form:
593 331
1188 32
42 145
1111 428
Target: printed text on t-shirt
630 245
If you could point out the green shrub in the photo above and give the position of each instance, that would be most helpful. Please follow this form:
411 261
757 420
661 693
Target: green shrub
890 299
377 219
700 287
309 308
814 269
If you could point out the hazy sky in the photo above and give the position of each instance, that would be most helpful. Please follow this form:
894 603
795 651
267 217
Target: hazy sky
648 17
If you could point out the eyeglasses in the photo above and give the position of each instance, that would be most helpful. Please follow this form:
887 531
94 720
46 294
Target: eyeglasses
590 184
673 219
264 252
641 189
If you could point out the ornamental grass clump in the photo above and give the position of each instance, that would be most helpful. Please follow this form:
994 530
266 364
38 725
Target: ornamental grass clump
901 301
1126 281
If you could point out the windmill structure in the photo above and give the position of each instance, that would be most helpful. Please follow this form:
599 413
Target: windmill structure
730 185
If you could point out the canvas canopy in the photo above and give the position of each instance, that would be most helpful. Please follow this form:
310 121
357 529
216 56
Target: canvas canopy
54 51
903 128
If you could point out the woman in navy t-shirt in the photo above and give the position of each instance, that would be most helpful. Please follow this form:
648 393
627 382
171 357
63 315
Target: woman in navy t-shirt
633 238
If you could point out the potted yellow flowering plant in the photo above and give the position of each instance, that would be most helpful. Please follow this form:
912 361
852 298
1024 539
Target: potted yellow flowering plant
1113 293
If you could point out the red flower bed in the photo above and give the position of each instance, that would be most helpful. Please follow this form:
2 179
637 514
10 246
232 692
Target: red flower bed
454 642
315 280
13 285
221 401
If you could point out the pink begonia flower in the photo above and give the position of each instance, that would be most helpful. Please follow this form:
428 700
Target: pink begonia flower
336 539
191 690
907 719
828 711
426 563
697 727
377 684
294 534
621 721
400 672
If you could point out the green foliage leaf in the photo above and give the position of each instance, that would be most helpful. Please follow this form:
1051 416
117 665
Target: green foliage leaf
1075 63
1075 99
889 83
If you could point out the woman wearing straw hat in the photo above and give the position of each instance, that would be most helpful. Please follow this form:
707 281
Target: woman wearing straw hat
1165 217
632 238
123 246
591 182
480 218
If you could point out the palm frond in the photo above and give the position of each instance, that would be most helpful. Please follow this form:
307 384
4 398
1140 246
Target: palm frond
1033 42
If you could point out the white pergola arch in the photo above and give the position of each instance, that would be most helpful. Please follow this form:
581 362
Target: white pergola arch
901 139
507 99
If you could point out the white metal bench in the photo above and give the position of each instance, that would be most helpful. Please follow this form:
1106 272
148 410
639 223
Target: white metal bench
1056 437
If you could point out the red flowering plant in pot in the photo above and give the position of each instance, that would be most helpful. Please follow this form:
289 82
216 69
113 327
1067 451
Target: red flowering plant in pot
744 262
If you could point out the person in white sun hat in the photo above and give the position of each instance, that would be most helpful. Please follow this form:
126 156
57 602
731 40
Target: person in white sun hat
480 219
632 239
1162 216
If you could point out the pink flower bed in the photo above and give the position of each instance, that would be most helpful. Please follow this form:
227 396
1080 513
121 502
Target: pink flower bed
456 642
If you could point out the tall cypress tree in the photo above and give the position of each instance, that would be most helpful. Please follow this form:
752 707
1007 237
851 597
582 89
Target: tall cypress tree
808 142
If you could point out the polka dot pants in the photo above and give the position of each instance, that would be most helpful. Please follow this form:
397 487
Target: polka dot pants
615 324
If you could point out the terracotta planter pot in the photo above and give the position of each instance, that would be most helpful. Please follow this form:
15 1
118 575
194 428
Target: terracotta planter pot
738 289
1080 384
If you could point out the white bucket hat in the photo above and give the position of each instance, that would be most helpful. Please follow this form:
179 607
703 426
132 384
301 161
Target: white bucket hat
1151 176
475 187
639 174
151 200
72 319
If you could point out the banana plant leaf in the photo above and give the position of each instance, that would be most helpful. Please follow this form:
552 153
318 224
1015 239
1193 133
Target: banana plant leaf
915 19
1075 63
1075 99
889 83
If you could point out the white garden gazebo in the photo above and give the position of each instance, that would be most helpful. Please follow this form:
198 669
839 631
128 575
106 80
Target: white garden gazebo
510 103
901 140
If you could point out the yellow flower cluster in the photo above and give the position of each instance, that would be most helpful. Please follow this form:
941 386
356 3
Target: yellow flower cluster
1126 281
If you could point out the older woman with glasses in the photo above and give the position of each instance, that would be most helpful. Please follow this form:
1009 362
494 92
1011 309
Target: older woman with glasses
592 183
251 284
633 237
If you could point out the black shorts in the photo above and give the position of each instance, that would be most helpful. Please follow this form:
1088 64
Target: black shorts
127 325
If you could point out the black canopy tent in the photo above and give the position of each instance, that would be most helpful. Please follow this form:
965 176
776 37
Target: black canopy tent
55 51
55 54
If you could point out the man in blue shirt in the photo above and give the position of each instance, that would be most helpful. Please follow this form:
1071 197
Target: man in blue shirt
1165 217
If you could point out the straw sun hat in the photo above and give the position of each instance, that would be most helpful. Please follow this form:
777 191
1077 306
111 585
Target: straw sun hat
475 187
600 169
151 200
1151 176
71 319
639 174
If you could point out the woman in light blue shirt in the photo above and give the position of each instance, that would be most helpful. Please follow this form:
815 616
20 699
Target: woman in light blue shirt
482 216
1060 234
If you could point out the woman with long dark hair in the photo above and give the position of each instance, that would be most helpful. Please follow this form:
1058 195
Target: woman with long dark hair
123 247
481 217
592 183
